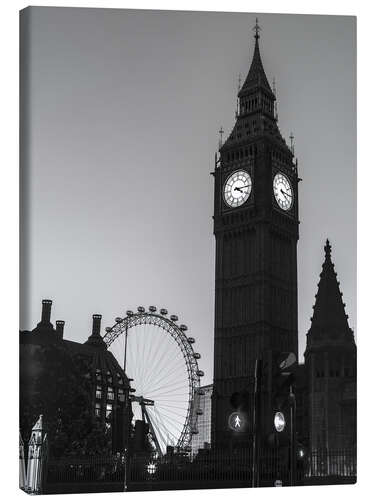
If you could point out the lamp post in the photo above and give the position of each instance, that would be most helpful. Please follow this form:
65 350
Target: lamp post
292 451
126 419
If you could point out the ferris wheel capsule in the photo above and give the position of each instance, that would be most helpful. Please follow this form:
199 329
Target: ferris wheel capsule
164 312
183 328
152 309
108 329
118 319
141 309
199 411
191 340
129 313
194 431
174 317
196 355
200 373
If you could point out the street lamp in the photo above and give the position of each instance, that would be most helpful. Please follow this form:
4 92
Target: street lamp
151 468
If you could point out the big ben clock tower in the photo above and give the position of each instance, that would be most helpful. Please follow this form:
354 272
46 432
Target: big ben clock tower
256 231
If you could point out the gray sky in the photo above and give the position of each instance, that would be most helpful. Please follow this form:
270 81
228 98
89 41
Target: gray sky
125 109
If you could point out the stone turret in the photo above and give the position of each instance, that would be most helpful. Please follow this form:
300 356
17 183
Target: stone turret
330 359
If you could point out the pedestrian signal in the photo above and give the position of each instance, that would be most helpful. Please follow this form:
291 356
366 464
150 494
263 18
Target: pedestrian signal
237 421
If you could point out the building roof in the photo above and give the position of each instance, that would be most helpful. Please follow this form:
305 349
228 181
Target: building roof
329 323
95 349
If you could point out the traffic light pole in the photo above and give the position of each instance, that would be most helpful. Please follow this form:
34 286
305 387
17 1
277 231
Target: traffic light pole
292 450
256 410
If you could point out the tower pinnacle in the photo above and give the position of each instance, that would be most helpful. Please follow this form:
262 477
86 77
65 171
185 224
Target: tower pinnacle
327 249
257 28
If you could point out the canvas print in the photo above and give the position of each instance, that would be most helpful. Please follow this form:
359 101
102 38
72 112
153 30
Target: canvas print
188 250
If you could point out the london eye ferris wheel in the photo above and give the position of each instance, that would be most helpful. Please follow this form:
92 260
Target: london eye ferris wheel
158 355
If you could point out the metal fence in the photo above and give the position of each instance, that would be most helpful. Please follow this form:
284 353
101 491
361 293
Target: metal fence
208 470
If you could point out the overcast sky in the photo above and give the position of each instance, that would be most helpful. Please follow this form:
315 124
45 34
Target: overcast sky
125 108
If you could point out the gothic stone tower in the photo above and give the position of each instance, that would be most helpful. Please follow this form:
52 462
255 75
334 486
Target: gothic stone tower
256 231
330 360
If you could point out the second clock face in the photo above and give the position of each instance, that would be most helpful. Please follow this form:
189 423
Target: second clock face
237 188
283 191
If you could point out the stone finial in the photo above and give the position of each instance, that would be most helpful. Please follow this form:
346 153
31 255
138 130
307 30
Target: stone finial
328 249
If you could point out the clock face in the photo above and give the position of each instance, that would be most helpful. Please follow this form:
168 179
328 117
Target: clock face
237 188
283 191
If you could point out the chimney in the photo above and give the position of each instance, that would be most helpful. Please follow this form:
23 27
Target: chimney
60 328
95 338
46 311
96 320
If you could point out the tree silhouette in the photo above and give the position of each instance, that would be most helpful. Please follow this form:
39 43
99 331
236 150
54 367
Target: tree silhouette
57 385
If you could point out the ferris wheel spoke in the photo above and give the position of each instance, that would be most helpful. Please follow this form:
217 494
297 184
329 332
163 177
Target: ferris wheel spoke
159 435
150 358
163 357
162 354
141 362
164 376
173 428
156 371
164 351
172 403
171 415
164 432
181 412
161 423
167 409
145 356
178 426
182 394
169 367
173 372
171 387
175 386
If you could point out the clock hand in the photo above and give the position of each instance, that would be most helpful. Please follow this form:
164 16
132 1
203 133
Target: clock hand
286 194
241 188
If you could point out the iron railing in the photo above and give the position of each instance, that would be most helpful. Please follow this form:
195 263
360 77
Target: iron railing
213 469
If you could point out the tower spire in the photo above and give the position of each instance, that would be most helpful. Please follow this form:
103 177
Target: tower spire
256 76
329 323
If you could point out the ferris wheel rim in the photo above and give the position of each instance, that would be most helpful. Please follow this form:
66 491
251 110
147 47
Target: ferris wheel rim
160 320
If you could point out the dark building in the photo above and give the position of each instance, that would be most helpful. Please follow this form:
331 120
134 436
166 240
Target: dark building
256 231
330 364
108 383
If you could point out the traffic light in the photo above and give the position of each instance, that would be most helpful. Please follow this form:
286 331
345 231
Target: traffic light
238 420
284 365
283 377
